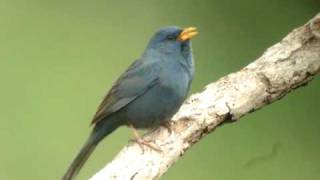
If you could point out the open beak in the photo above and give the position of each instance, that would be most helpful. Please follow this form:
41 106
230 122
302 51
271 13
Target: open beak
187 33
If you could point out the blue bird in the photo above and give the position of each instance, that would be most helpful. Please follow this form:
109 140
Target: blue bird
147 94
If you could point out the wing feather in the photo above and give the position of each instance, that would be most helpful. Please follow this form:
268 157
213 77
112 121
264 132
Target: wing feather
138 78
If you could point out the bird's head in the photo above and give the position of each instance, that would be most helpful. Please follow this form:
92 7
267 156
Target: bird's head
172 39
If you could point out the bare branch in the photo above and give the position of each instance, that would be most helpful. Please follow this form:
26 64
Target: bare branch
287 65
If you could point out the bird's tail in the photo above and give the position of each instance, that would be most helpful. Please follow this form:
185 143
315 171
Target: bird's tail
96 136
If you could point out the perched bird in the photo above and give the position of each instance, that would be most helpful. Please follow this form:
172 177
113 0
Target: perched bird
148 93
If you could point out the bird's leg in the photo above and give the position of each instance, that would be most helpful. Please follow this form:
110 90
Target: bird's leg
141 142
167 125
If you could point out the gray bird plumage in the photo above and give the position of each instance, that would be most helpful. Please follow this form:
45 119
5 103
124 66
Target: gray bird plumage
149 93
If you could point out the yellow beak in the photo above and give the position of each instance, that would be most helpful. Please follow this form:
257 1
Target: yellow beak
187 33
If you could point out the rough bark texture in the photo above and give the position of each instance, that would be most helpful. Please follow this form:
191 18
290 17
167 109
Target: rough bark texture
287 65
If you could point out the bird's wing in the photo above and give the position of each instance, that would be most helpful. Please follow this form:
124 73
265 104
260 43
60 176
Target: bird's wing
138 78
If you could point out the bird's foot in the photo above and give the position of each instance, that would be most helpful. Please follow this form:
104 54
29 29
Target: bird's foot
143 143
167 125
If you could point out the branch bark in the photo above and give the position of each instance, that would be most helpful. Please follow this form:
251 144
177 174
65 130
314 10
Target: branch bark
287 65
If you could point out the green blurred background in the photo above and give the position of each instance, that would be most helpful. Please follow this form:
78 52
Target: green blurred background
58 58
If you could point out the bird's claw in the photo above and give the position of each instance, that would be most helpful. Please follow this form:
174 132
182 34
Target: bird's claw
142 143
167 125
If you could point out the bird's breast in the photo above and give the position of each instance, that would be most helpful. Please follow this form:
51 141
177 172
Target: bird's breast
161 101
176 79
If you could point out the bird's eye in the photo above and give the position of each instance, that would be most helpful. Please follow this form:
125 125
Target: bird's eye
171 37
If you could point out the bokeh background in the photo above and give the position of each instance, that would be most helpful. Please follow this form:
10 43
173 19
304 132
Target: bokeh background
58 58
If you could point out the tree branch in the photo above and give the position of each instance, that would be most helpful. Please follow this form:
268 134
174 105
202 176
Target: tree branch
287 65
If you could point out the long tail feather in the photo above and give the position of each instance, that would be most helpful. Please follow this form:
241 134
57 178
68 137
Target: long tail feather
80 159
99 132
